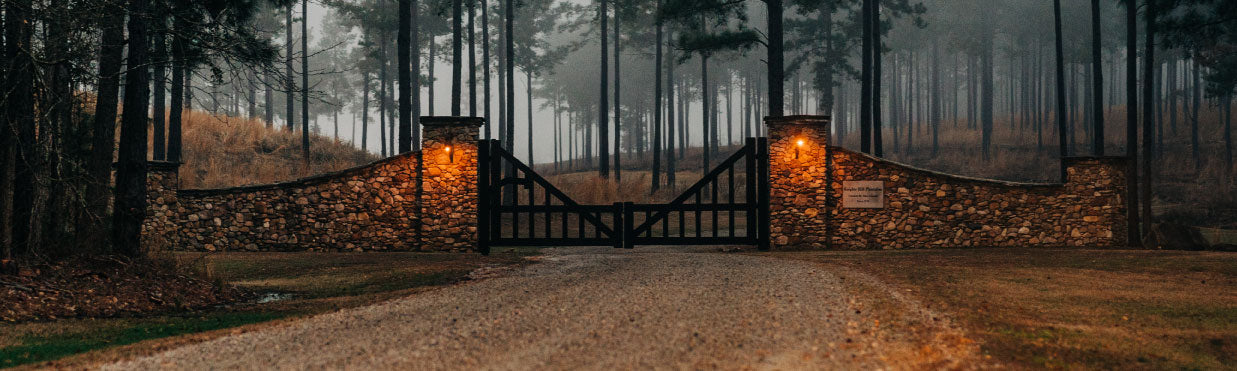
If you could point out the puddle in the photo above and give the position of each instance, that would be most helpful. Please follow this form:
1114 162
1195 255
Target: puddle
271 297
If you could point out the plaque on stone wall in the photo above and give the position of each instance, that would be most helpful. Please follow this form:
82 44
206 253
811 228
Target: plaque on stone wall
863 194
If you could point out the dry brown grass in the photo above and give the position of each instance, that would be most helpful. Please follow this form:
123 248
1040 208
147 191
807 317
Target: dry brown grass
223 151
1090 309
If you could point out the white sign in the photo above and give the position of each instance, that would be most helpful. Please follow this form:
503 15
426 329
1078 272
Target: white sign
863 194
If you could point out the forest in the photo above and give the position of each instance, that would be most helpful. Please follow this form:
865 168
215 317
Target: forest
645 91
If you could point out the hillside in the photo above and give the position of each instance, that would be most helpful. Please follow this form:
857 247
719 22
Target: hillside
223 151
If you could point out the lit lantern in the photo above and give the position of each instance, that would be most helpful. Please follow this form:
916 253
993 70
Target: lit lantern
798 144
450 155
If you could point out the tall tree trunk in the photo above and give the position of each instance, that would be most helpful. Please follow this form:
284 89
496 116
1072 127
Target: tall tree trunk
671 156
457 62
528 92
19 117
510 74
775 58
159 63
289 77
414 42
1062 110
403 46
865 99
268 98
180 94
604 104
877 143
704 111
1097 72
103 142
1131 123
485 56
305 83
1197 97
382 95
472 58
618 106
936 98
365 111
130 204
657 107
433 79
1149 75
986 110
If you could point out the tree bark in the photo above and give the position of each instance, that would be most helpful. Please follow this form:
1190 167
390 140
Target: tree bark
1149 75
1097 72
130 203
485 57
1062 109
103 142
877 143
604 103
404 61
305 83
289 79
457 62
775 58
472 59
618 106
1131 123
657 106
865 99
159 62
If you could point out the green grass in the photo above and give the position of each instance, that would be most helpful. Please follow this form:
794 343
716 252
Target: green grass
317 283
34 348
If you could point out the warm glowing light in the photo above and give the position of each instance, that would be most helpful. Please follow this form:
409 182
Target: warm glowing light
800 142
447 149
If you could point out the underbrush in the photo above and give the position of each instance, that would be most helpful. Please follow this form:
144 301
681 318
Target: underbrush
223 151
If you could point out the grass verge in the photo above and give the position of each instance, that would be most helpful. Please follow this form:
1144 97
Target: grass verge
1049 308
309 283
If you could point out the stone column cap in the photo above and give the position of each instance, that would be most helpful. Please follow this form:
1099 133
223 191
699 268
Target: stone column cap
817 120
452 121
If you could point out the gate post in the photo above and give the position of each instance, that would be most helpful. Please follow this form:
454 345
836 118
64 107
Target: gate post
798 183
483 202
449 181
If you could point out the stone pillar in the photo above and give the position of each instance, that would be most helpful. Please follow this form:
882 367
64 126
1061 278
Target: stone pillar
449 183
159 229
798 180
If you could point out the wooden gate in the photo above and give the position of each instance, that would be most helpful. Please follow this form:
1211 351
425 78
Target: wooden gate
518 207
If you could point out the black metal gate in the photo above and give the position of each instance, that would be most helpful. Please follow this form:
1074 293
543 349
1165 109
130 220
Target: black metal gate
518 207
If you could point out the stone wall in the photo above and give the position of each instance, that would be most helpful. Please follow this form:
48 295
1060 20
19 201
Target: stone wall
929 209
923 209
387 205
798 176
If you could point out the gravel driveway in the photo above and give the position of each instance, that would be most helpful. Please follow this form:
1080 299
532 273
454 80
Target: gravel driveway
590 308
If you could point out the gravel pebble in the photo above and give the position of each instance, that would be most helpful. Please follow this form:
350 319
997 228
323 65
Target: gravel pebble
579 308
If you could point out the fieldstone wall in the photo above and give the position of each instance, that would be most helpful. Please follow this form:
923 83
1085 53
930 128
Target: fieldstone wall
387 205
929 209
798 180
923 209
450 157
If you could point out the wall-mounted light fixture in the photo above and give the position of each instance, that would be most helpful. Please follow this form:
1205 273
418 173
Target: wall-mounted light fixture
798 145
450 155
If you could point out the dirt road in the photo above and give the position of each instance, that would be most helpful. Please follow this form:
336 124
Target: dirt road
600 308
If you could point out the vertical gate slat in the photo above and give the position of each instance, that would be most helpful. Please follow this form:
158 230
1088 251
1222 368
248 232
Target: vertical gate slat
714 198
730 197
750 196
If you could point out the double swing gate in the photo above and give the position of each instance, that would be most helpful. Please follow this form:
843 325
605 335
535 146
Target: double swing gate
727 206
